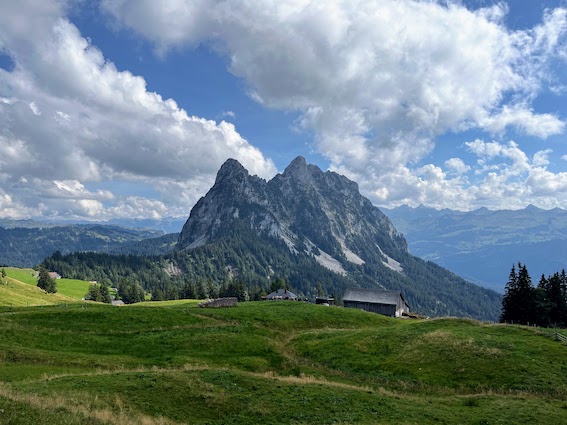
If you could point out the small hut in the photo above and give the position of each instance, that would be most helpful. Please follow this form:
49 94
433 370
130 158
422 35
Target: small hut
325 300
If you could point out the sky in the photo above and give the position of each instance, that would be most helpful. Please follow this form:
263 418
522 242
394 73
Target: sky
128 108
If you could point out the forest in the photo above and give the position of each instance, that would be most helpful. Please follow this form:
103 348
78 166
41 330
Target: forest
542 305
242 262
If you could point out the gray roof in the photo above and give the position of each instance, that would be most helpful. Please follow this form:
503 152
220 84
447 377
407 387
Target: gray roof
378 296
283 293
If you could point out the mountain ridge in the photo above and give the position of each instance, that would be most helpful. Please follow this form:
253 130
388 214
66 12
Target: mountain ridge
322 216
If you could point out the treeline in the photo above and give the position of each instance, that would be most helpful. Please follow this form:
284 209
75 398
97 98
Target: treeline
237 264
544 305
241 262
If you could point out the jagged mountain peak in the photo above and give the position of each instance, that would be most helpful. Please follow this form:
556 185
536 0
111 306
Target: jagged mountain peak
299 169
303 205
310 224
230 169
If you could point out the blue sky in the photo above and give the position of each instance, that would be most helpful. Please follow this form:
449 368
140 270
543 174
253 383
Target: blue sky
126 109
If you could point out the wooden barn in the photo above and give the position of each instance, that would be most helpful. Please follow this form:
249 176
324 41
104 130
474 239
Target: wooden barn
388 303
325 300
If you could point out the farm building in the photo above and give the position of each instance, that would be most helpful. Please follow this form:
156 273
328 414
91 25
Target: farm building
388 303
280 294
325 300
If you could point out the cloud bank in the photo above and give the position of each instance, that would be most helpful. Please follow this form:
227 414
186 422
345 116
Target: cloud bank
377 81
69 117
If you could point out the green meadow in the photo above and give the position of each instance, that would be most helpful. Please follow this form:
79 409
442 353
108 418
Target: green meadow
72 288
271 363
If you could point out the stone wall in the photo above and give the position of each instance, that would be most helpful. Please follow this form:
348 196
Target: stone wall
220 302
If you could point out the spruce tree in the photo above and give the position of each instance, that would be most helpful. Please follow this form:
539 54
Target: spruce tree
509 299
518 303
541 302
525 297
45 282
93 293
105 294
555 297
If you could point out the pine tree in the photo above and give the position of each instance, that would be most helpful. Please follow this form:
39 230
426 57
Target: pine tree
556 300
564 298
541 302
45 282
525 297
93 293
508 301
105 294
518 304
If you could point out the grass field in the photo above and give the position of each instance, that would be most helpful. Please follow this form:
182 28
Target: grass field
273 363
18 294
72 288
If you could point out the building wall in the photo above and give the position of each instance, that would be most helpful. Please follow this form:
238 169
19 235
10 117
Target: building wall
385 309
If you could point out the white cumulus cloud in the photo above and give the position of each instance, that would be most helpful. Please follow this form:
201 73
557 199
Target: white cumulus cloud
68 117
376 80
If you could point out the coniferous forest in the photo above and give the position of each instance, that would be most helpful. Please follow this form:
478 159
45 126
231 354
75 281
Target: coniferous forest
541 305
247 266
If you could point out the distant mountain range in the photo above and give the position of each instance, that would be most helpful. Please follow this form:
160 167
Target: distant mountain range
163 225
482 245
26 243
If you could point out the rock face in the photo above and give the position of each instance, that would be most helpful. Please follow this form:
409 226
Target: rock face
316 213
306 218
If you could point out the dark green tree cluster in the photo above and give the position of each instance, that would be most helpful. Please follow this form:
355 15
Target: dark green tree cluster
45 282
98 292
3 279
130 291
235 289
544 305
264 263
551 298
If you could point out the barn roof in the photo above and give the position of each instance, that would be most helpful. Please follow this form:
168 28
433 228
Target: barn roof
378 296
281 293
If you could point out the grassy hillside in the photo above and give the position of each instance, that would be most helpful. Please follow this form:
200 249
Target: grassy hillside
18 294
271 363
69 288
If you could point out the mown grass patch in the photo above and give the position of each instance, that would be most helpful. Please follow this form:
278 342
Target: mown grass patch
73 288
17 294
28 276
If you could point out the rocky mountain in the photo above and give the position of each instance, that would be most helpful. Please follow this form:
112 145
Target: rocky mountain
308 219
461 241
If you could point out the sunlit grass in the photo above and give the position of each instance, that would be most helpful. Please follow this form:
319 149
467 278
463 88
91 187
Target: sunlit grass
264 362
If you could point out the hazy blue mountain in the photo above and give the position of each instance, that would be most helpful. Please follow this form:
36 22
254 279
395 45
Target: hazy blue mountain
482 245
160 245
26 246
165 225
